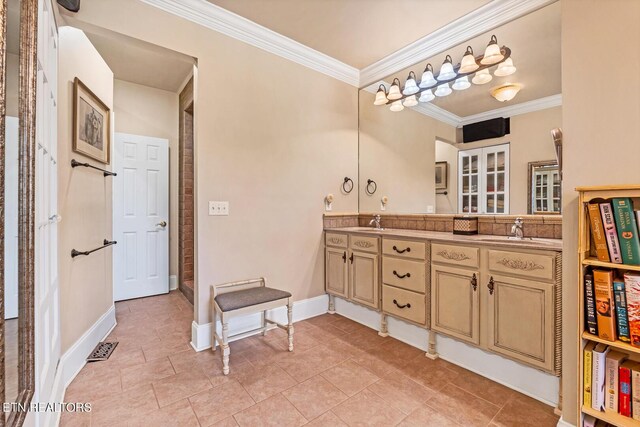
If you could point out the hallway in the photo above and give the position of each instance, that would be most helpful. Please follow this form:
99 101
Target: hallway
341 373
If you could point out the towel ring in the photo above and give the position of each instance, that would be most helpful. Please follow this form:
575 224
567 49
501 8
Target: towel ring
371 183
347 180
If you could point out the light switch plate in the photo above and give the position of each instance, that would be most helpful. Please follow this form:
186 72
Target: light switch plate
218 208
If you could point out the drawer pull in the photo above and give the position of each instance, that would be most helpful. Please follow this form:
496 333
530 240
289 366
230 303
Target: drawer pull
407 305
344 256
401 251
401 276
351 258
491 285
474 282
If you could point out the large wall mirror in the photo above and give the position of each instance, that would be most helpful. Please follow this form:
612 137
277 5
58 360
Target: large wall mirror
417 159
17 201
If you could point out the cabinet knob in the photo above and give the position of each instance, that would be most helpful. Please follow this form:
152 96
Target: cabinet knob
474 282
491 285
401 276
344 256
351 258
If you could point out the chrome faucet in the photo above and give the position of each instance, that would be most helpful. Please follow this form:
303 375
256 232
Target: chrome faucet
516 229
376 220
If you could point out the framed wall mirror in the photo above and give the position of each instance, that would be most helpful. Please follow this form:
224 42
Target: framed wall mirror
545 188
18 65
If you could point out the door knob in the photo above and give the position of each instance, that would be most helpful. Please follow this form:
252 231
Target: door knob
162 224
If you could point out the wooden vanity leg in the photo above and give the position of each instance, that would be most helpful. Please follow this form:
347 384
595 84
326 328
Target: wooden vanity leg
431 351
225 348
558 409
290 325
332 304
384 331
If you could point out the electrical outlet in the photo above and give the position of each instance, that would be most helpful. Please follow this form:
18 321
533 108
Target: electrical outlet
430 209
218 208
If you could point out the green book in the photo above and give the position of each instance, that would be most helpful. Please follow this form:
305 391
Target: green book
627 230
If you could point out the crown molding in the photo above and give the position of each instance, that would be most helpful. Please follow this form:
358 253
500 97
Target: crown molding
515 110
221 20
440 114
473 24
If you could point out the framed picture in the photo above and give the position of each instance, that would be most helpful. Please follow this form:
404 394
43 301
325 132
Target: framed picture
91 128
442 173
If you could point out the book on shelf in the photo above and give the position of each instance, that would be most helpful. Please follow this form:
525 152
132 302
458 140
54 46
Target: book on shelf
632 292
597 232
613 361
603 292
624 387
622 322
589 421
627 227
598 384
610 232
590 305
635 391
587 366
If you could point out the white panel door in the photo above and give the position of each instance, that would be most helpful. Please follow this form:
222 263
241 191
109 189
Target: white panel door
140 216
11 219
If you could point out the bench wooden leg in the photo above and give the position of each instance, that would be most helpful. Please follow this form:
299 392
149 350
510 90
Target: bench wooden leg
213 332
225 348
290 324
264 323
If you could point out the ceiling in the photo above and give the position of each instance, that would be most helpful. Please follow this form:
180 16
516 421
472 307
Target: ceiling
356 32
534 41
135 61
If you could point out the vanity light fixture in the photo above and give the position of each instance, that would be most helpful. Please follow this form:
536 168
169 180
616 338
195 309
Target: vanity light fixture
506 92
398 97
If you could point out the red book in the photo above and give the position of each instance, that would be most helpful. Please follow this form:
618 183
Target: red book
624 389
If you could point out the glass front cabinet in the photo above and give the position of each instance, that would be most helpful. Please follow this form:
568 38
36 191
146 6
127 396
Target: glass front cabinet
483 180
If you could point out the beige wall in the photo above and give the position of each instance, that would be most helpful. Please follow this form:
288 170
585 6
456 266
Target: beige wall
397 150
600 135
272 138
142 110
13 64
84 197
447 152
530 141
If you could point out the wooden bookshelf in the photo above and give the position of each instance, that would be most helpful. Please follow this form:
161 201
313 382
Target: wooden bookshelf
587 259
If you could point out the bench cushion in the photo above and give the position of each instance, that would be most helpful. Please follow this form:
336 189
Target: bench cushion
248 297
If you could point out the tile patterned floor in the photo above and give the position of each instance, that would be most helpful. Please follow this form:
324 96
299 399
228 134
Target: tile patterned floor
340 374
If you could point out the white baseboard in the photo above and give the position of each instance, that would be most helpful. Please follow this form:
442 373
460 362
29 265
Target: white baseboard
530 381
201 333
173 282
563 423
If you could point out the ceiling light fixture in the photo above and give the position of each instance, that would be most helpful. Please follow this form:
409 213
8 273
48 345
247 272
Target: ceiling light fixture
506 92
430 86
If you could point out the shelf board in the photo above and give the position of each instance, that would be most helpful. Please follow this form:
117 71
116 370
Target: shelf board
594 262
616 344
615 419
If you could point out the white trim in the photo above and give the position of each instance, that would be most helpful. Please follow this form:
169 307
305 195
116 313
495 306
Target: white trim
201 333
173 282
473 24
515 110
433 111
228 23
563 423
524 379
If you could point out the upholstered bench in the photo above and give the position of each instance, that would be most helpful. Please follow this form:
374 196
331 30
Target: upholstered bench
247 297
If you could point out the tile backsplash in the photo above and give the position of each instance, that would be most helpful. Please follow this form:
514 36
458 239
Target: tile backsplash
542 226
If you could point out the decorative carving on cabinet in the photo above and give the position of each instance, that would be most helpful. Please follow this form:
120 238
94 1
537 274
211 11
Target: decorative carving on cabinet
363 244
454 256
519 264
335 240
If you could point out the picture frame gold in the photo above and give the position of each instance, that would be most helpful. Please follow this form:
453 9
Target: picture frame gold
442 175
91 124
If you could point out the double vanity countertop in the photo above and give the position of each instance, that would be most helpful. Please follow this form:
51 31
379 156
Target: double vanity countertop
449 237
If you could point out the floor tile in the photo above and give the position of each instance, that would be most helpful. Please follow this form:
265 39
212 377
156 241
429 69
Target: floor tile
323 319
401 392
348 325
263 382
75 419
463 407
146 373
116 410
524 411
314 396
180 386
275 411
328 419
350 377
428 373
164 349
426 416
178 414
484 388
220 402
305 365
373 363
367 409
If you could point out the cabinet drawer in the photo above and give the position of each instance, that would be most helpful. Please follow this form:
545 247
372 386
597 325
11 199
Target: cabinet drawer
336 240
404 274
414 305
403 248
534 265
363 243
463 256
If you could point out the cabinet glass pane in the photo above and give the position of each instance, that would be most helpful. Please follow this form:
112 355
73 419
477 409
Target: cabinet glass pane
490 183
474 183
465 165
491 162
474 164
501 161
465 184
500 204
465 204
500 184
490 204
474 204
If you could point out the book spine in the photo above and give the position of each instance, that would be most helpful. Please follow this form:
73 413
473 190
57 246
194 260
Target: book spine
632 292
598 382
603 292
635 394
611 379
624 403
597 231
588 366
592 324
627 230
621 311
611 233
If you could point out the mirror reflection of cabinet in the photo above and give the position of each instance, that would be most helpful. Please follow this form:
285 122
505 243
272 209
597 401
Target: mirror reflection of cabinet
483 181
545 188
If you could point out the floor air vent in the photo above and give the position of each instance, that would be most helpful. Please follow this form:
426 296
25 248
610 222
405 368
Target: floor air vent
102 351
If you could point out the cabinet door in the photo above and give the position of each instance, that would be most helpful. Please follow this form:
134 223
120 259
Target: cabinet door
454 302
336 271
520 320
363 280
